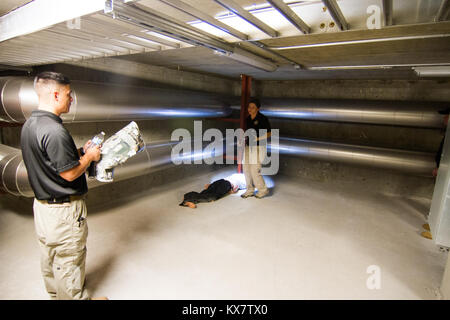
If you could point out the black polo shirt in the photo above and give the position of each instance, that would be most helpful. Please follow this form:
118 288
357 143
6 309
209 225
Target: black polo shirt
47 150
260 122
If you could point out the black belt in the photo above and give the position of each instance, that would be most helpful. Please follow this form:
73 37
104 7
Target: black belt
63 199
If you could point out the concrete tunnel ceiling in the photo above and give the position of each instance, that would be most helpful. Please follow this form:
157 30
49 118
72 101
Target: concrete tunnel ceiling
332 39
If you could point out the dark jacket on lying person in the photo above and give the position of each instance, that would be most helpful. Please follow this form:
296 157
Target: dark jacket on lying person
212 192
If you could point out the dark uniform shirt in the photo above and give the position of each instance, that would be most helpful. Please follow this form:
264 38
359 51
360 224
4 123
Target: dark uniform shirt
260 122
47 150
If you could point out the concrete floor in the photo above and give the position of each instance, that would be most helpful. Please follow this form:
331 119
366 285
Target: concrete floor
308 240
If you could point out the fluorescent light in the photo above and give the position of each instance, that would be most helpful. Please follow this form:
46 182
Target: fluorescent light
436 71
382 66
339 43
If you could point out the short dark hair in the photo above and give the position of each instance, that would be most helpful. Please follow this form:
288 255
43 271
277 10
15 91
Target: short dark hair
256 102
52 76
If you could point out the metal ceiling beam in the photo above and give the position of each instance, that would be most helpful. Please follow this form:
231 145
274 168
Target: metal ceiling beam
336 13
11 59
443 11
99 29
388 9
116 45
244 14
26 48
236 53
130 30
397 32
39 50
186 8
290 15
41 14
51 40
158 22
111 49
6 67
359 41
77 43
249 58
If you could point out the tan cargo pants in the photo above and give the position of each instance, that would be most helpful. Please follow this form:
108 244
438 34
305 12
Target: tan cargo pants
251 165
62 233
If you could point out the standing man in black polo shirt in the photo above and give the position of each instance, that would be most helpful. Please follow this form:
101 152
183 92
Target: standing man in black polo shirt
56 171
255 150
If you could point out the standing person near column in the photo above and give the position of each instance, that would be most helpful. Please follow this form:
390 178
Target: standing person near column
56 171
255 151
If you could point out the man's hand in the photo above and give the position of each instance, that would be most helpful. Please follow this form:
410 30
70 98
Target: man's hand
93 153
86 146
434 173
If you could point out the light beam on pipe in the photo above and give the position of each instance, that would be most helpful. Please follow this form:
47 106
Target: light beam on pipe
158 156
413 162
102 102
397 113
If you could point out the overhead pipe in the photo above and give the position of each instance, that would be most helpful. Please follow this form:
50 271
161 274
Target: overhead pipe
102 102
158 156
412 162
384 112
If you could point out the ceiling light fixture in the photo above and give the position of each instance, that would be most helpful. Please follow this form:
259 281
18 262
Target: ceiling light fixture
436 67
435 71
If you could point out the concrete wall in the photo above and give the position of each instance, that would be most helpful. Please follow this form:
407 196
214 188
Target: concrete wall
420 90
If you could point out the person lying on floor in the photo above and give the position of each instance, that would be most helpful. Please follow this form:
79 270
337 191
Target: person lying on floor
212 192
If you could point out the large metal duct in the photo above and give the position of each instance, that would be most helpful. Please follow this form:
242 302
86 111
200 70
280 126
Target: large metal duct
13 174
157 156
385 112
416 163
109 102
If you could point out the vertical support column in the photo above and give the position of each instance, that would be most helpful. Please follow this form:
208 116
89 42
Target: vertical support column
246 88
439 217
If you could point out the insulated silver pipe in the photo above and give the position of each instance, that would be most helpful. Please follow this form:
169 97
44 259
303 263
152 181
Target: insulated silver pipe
110 102
13 174
416 163
157 156
154 157
396 113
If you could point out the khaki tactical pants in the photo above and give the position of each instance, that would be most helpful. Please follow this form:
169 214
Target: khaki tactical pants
253 158
62 233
